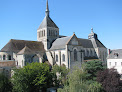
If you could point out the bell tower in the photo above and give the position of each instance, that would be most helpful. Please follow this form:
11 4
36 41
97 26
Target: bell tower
48 30
92 35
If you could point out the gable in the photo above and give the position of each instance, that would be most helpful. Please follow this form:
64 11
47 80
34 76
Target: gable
73 40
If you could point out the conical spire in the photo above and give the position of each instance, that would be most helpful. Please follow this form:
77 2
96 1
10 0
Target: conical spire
47 9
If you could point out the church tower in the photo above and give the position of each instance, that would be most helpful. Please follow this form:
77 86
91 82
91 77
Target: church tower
92 35
48 30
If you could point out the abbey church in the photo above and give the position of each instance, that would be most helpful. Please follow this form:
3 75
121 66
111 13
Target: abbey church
53 48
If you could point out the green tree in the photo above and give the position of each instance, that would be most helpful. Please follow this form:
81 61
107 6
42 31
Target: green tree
60 74
5 84
32 78
92 67
77 82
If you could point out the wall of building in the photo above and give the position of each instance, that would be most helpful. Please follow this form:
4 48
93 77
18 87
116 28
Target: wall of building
116 64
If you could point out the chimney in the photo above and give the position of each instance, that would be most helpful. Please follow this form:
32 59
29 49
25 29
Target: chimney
109 51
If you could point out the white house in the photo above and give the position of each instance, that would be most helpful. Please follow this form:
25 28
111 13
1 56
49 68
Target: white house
114 60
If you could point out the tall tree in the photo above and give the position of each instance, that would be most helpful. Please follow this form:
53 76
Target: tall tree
92 67
110 80
32 78
5 84
77 82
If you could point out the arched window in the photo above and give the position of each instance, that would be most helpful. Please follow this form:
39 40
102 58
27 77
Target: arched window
35 58
40 34
75 55
9 57
91 53
44 32
87 53
56 58
4 57
63 57
0 57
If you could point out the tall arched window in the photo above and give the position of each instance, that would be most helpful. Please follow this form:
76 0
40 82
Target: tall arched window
63 57
9 57
44 32
91 53
87 53
4 57
0 57
56 58
75 55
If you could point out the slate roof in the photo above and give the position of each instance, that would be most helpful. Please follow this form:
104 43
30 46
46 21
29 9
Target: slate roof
25 50
113 54
17 45
47 22
60 43
86 43
96 43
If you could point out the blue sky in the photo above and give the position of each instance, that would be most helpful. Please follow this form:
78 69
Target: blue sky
20 19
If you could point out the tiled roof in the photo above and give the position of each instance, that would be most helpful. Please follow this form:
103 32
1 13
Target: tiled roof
17 45
115 54
47 22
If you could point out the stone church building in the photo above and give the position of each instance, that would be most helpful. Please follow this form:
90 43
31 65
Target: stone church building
53 48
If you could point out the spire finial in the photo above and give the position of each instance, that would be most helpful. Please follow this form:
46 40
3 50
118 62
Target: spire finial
92 30
47 9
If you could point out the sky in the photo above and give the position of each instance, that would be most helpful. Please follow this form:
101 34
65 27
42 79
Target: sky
20 19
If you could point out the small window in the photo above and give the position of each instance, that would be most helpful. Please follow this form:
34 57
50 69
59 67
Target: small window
9 57
63 57
115 63
4 57
44 32
56 58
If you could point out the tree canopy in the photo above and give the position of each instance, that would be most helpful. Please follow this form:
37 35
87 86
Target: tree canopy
5 84
110 80
92 67
32 78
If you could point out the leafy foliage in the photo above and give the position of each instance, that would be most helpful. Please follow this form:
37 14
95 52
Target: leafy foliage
92 67
5 84
110 80
60 73
32 78
77 82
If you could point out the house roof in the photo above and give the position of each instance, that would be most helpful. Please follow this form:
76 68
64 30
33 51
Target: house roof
115 54
47 22
17 45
